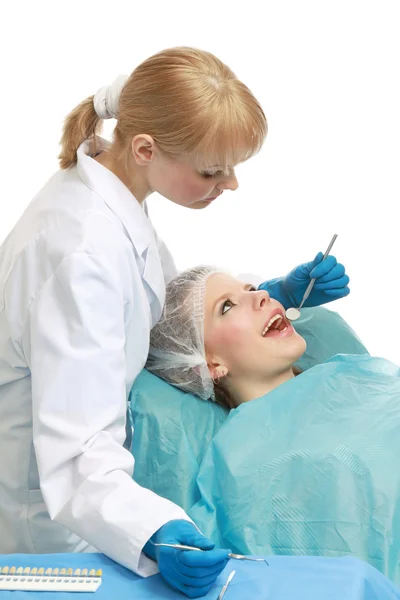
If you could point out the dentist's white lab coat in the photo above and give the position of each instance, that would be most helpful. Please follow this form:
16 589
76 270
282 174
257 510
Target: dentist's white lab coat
82 281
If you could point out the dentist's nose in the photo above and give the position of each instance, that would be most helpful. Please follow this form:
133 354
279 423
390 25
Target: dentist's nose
229 182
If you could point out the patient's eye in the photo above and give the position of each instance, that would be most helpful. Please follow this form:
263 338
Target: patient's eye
226 306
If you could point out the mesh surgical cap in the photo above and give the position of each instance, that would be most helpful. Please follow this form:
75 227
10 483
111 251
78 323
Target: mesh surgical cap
177 351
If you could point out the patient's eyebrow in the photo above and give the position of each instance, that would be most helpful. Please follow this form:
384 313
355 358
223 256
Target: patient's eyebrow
246 288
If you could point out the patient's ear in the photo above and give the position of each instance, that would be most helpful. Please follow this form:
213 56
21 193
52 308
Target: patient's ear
217 371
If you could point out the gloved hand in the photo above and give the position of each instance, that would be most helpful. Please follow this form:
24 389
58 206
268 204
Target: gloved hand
331 283
192 573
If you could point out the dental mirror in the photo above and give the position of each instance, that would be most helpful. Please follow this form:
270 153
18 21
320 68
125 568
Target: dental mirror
294 313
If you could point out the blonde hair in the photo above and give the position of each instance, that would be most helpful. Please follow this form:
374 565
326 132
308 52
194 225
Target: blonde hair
188 101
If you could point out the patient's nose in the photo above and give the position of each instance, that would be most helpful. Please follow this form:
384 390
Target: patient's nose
260 299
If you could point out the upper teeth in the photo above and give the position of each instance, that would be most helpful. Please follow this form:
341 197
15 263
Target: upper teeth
271 321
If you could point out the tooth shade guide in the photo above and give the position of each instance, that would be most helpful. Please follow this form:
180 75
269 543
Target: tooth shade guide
49 580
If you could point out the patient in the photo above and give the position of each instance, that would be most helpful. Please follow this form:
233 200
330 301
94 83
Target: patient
221 339
310 465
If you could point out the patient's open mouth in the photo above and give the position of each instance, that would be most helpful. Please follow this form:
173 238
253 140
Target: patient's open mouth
277 324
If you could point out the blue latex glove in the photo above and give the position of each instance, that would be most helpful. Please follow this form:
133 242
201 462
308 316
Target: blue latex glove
331 283
192 573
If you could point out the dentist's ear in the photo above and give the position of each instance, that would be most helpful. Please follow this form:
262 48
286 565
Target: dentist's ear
143 148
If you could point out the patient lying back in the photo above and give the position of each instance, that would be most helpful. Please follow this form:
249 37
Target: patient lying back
310 465
222 339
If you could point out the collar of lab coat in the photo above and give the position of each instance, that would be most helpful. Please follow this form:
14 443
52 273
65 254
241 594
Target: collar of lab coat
130 212
116 195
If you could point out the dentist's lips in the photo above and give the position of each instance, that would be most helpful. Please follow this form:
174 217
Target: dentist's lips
212 198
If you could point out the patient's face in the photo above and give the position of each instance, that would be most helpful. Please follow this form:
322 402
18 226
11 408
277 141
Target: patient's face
236 317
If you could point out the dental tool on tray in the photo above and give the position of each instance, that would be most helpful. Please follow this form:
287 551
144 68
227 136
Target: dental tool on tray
49 580
225 586
294 313
231 554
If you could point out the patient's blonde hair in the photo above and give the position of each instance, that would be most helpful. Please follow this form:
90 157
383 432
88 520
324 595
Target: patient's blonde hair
188 101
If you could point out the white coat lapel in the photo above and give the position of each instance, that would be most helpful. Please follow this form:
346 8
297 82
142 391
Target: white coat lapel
135 221
153 277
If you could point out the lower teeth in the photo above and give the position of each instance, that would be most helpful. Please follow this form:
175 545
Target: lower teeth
279 330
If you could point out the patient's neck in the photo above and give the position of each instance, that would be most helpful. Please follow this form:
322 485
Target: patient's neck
245 389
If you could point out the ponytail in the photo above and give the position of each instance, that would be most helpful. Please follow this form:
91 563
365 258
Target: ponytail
81 124
186 99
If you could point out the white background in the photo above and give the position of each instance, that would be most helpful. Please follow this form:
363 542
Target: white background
327 76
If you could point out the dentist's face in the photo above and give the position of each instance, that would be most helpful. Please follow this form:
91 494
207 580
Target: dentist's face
180 182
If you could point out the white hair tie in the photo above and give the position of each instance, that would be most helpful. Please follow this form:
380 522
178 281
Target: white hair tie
106 99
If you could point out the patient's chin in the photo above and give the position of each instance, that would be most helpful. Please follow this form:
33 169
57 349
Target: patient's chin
298 347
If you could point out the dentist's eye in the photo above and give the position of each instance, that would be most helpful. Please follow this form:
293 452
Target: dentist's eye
226 306
207 175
